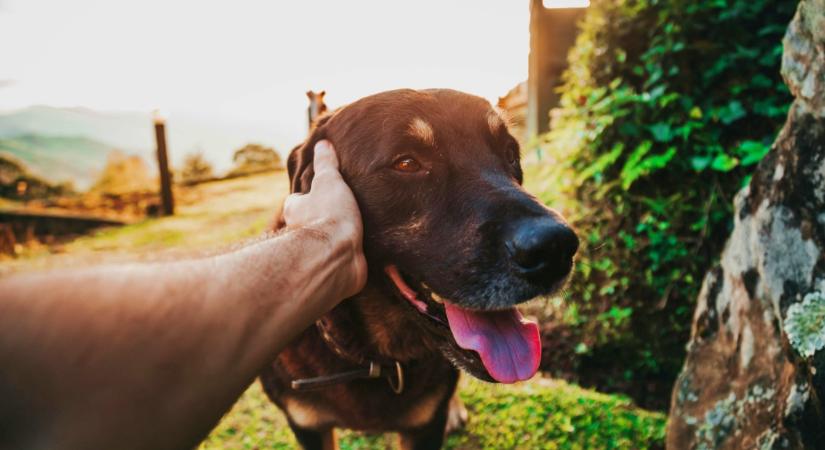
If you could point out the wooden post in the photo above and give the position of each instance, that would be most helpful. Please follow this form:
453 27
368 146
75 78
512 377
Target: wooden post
166 199
552 32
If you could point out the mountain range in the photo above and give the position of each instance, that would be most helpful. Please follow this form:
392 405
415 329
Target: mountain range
63 144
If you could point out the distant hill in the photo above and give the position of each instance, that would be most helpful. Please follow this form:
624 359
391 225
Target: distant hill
124 130
131 132
59 158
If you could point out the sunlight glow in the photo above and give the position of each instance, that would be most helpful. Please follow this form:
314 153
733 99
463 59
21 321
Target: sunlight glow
558 4
251 61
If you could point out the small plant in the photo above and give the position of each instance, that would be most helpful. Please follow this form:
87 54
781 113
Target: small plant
805 324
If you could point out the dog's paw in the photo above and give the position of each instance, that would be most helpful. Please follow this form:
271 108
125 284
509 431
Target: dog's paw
457 416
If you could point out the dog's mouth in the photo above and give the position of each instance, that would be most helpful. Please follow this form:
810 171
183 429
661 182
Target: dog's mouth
508 345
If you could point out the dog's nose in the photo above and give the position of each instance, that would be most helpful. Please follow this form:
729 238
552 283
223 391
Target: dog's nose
542 247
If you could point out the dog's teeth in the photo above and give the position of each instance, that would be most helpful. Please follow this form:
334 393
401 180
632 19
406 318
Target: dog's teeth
437 298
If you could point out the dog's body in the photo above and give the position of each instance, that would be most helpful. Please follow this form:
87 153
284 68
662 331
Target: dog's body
419 412
452 243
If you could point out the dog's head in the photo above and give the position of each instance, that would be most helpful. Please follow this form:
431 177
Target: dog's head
449 231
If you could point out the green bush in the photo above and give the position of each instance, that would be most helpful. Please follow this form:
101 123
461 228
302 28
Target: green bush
666 107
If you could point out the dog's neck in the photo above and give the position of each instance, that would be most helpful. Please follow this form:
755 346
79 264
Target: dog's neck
374 325
350 349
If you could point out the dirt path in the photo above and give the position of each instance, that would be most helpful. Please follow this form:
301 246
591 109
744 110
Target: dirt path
209 217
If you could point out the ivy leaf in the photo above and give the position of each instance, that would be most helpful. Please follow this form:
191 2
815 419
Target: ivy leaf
752 152
657 92
761 81
732 112
655 162
668 99
661 132
603 162
631 170
700 163
637 165
724 163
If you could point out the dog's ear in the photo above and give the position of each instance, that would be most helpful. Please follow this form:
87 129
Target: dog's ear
299 164
300 169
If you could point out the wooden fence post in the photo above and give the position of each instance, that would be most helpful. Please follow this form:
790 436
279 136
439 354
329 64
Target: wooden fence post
166 198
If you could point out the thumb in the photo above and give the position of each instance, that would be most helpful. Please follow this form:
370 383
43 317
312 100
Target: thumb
325 158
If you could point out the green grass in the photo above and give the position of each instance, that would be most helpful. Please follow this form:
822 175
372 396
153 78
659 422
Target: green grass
540 414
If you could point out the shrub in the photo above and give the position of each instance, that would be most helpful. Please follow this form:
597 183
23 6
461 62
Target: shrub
196 168
123 174
666 107
253 158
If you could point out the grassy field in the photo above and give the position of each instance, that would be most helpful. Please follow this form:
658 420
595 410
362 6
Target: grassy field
540 414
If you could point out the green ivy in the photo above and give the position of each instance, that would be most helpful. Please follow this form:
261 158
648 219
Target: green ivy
666 107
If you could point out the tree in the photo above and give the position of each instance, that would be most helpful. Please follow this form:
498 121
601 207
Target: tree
196 168
755 371
123 174
253 158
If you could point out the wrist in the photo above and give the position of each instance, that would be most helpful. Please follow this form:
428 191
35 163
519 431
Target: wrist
344 261
340 236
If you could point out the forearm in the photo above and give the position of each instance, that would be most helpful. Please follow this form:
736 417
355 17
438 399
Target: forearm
157 350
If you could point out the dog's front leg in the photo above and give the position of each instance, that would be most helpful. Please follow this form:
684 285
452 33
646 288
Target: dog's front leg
430 436
315 439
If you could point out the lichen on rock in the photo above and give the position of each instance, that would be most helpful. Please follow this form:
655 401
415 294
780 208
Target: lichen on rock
728 415
805 324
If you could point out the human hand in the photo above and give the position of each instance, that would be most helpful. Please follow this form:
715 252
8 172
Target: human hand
330 208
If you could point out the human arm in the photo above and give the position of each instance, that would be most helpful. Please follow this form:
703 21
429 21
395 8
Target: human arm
151 355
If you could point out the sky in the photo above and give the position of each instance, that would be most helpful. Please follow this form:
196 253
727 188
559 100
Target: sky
253 61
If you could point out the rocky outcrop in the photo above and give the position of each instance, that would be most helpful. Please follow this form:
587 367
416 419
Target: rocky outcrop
754 377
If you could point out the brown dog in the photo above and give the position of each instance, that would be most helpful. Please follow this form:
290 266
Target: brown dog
453 243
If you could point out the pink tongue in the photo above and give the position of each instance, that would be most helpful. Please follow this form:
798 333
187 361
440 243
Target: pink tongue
508 344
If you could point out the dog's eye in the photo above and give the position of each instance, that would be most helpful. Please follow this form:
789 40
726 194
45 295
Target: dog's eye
406 164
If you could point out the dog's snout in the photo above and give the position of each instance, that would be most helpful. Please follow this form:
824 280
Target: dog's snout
542 248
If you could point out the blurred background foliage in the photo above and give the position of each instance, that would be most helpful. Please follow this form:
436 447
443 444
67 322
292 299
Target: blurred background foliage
255 158
196 168
666 107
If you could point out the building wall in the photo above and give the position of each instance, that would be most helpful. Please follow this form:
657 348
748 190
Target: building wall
552 33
